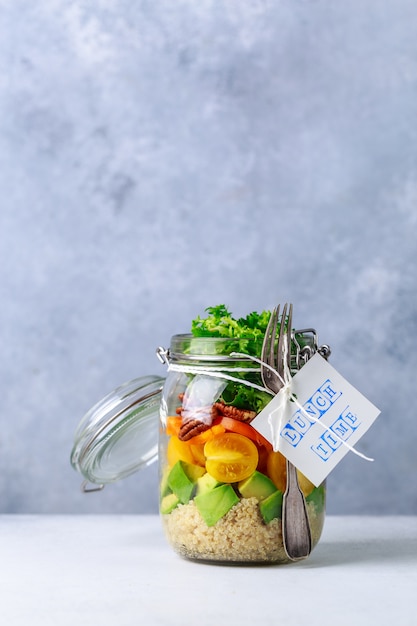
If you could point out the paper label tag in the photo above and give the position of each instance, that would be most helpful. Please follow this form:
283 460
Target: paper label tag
311 421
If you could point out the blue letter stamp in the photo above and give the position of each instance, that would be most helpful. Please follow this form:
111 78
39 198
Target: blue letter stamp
317 420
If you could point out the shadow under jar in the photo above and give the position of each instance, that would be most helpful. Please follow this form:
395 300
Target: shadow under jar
221 484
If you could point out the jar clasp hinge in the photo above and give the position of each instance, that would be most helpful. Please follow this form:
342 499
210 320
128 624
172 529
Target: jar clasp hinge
305 353
86 489
163 355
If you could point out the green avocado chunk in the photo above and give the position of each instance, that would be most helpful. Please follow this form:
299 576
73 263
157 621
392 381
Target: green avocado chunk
194 472
206 483
318 498
215 503
257 486
181 480
271 507
164 488
169 503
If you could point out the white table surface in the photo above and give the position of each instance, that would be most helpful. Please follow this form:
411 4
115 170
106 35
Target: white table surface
119 570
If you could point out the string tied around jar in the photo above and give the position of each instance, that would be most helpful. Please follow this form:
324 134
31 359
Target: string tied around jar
285 395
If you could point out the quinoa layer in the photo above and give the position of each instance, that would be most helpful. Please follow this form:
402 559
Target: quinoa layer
241 535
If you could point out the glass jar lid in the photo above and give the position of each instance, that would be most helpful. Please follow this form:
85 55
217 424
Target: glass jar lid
119 435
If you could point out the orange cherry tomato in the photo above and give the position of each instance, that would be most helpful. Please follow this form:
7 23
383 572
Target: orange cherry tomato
230 457
173 424
276 469
263 458
197 450
217 429
177 450
236 426
306 485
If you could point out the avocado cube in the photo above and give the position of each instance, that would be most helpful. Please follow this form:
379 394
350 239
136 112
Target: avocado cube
318 498
214 504
194 472
271 507
169 503
257 486
164 488
206 483
179 482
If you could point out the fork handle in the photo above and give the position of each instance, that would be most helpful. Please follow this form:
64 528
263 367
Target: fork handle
296 532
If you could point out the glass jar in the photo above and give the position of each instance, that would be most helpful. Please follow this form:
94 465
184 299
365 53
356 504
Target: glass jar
221 484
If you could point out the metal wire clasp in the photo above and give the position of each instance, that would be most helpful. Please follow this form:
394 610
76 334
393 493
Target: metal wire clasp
86 489
305 353
163 355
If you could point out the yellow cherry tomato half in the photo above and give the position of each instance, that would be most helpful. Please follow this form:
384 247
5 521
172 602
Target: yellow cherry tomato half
230 457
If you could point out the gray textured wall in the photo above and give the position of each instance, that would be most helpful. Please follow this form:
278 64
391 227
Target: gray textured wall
160 157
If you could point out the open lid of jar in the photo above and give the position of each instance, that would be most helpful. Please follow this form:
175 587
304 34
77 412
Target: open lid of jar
119 435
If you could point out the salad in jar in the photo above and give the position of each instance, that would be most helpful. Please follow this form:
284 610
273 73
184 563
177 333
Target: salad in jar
221 482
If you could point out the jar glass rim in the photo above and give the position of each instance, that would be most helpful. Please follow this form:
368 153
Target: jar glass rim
186 346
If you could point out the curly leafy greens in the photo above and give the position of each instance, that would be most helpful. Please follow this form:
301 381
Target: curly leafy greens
249 331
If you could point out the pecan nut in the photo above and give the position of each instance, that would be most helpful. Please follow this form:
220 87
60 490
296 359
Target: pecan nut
242 415
191 429
195 420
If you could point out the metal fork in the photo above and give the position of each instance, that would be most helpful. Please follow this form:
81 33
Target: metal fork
296 532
